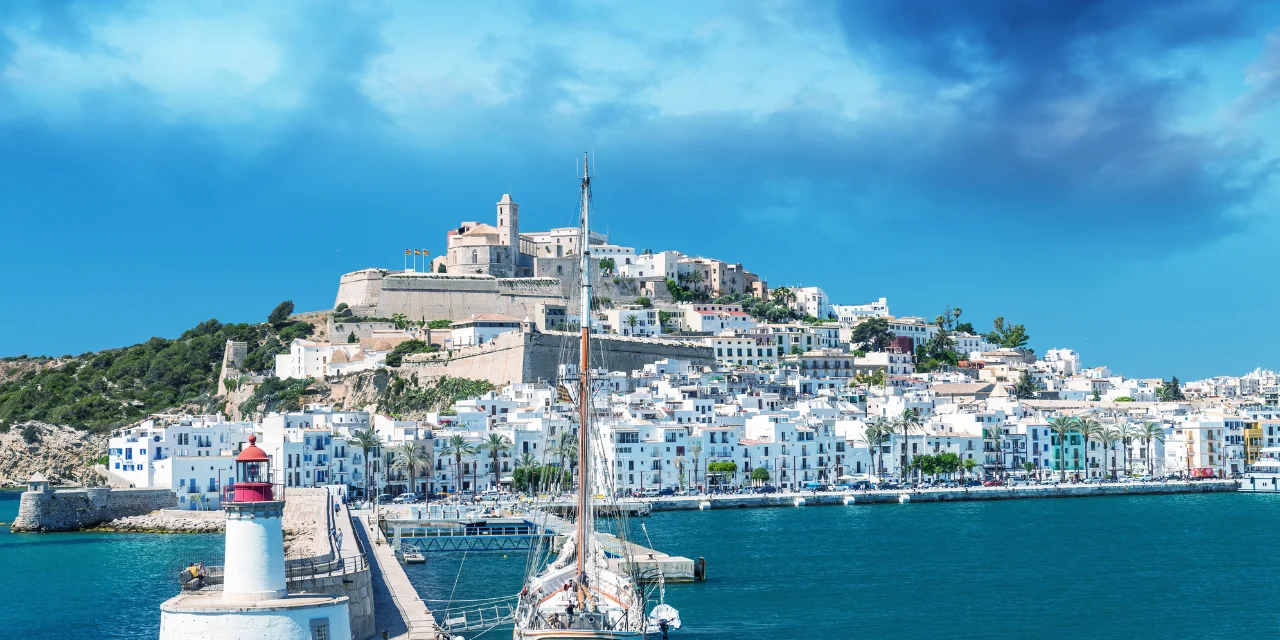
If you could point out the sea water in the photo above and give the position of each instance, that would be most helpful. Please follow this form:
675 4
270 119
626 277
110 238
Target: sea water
1180 566
90 585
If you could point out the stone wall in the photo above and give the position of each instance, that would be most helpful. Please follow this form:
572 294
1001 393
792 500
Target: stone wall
358 588
74 509
454 296
529 357
361 290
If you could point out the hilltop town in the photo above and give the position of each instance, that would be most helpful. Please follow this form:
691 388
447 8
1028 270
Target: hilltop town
445 379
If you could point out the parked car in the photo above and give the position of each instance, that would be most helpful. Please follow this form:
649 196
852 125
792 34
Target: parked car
384 498
766 488
649 493
991 483
666 491
814 485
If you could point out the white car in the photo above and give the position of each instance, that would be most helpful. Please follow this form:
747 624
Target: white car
649 493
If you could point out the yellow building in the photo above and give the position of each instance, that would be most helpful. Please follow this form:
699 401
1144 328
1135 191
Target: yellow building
1252 441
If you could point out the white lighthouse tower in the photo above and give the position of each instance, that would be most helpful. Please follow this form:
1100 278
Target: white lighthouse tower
254 601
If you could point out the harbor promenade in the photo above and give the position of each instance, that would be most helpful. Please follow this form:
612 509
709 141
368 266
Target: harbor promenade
399 611
896 496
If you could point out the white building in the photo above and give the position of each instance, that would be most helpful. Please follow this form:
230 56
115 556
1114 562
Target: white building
307 359
633 322
481 329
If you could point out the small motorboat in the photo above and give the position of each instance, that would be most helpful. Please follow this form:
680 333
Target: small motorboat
413 557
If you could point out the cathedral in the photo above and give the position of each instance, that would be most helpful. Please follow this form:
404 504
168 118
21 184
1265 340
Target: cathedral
502 251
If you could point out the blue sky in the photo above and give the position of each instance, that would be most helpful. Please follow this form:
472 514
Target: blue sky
1103 172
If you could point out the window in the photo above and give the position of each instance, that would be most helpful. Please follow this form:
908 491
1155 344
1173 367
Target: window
320 629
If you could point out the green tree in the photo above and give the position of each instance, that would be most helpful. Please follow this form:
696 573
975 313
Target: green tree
644 302
1150 432
1109 436
396 356
351 338
457 447
566 450
496 445
1011 336
876 434
1127 434
526 475
681 463
1026 387
1029 467
1090 429
408 456
607 265
909 421
631 321
440 268
760 475
872 334
1062 426
280 314
1170 391
995 434
968 464
367 441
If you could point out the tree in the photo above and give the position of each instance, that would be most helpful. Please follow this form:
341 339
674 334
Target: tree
281 313
525 476
644 302
696 450
1170 391
681 464
1026 387
440 268
1012 336
1061 427
367 441
566 449
760 474
607 265
632 320
457 447
1148 432
1029 467
408 456
872 334
996 434
496 445
351 338
1128 434
1090 429
877 433
909 421
1109 437
968 464
400 320
342 306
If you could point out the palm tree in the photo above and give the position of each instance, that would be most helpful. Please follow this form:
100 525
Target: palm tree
632 320
529 465
1110 436
457 447
680 463
567 452
877 433
696 450
1090 429
496 445
367 441
995 434
1127 433
408 456
1061 426
968 464
1147 432
909 421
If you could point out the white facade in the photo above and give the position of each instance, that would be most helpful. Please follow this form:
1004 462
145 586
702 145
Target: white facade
851 313
646 322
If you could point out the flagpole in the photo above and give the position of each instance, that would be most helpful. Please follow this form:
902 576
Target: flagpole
406 260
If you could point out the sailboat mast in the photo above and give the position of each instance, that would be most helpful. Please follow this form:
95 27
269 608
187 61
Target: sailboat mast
585 512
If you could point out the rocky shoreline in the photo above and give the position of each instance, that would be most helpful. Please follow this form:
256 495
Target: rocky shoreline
162 523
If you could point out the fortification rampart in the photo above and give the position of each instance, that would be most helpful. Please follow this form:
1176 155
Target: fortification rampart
437 296
361 290
74 509
528 357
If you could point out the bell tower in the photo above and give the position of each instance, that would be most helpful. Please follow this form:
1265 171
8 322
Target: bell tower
509 231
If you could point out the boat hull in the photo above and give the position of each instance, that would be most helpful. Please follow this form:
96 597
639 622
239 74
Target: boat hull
576 634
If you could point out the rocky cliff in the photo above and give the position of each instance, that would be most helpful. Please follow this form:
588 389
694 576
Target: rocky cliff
64 455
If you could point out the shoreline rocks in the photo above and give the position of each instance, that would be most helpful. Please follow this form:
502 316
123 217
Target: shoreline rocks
162 523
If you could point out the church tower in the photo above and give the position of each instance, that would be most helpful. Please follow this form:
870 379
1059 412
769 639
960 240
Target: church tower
509 232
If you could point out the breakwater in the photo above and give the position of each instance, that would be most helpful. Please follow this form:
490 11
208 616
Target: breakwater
732 501
43 509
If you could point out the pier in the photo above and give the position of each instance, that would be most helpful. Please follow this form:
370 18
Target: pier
398 609
895 496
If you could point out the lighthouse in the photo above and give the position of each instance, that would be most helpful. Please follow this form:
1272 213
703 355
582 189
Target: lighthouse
255 538
254 601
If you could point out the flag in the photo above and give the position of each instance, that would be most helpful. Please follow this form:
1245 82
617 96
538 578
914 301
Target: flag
562 394
408 252
417 252
425 252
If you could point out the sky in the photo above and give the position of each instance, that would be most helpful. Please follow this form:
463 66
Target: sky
1103 172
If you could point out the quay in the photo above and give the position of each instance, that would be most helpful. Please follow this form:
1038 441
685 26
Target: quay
895 496
398 609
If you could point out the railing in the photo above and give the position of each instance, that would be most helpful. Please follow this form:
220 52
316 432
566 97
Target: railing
295 570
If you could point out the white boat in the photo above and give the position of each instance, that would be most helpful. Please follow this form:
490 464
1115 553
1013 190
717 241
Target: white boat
413 557
578 596
1264 473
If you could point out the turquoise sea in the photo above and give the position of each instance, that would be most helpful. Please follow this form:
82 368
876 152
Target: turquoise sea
1194 566
1189 566
90 585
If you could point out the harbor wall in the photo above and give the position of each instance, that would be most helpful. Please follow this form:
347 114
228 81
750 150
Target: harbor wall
75 509
531 356
946 495
356 586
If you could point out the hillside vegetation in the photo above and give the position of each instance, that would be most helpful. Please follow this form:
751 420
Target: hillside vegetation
108 389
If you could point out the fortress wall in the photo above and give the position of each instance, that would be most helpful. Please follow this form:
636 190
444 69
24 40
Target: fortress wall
361 290
529 357
455 297
72 509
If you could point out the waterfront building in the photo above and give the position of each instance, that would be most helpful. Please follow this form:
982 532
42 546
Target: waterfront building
135 454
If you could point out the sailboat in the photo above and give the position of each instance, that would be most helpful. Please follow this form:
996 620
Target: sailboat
578 596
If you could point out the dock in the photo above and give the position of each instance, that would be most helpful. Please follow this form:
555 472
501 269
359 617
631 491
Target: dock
648 564
398 609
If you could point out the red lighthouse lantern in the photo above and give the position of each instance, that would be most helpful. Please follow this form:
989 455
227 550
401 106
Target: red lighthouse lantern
253 475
